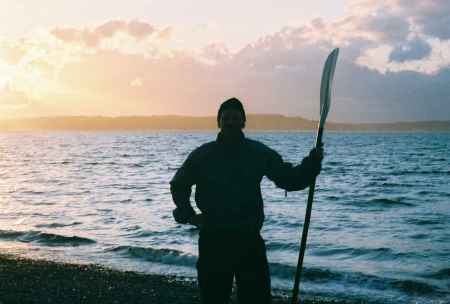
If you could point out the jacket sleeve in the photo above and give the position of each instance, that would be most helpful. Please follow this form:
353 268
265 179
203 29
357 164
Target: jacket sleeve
181 187
289 177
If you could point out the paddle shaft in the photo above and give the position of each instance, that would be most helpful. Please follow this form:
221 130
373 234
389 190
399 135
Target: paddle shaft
301 254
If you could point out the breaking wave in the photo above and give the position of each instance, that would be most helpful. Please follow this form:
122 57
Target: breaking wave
164 256
44 238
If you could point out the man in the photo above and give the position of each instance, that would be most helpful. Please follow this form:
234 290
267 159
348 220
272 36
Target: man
227 173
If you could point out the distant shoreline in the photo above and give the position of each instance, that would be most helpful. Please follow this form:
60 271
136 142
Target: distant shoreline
255 122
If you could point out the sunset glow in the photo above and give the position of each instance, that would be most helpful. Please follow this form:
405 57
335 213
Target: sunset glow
150 58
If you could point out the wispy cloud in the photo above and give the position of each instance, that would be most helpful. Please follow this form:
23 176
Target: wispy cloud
91 37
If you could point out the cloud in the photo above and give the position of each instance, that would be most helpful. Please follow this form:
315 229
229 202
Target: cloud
413 50
137 82
393 65
11 99
92 37
287 80
432 17
388 28
273 79
165 33
411 31
139 29
270 76
11 52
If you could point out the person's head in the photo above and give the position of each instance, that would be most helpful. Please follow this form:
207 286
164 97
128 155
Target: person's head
231 115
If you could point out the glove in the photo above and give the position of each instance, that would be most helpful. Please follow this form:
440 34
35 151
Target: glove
315 159
182 215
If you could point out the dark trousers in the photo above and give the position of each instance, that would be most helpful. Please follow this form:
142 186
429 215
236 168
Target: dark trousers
223 257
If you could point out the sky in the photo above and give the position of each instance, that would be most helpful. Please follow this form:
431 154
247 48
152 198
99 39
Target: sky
159 57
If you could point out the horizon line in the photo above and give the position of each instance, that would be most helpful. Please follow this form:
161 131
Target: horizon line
214 117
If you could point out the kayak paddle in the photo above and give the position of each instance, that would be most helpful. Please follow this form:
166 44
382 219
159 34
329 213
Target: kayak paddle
325 96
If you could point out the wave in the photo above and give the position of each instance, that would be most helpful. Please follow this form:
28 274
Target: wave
334 163
164 256
274 245
392 184
422 221
369 254
148 233
33 192
283 222
283 271
375 253
57 225
10 234
48 239
443 274
420 172
419 236
332 198
287 272
411 286
95 163
379 203
321 275
385 202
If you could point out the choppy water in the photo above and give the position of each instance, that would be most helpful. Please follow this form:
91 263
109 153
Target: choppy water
380 228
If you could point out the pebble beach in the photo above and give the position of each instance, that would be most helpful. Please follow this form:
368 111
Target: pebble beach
39 281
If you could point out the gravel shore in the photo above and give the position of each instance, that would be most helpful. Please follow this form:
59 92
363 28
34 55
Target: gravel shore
37 281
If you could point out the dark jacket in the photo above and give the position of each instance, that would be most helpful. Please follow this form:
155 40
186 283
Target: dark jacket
227 179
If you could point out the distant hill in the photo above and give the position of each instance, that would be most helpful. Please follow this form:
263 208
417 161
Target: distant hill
173 122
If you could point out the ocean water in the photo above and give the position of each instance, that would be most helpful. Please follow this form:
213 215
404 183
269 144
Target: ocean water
380 226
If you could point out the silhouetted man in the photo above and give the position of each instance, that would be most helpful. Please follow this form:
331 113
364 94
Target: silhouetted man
227 173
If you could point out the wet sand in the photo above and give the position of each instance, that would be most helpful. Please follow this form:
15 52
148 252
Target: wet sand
37 281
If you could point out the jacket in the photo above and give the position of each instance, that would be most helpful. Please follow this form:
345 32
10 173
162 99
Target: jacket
227 179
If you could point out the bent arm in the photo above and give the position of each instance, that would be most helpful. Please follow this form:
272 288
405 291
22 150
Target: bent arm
289 177
180 188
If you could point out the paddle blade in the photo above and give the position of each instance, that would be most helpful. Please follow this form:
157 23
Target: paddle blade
326 85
